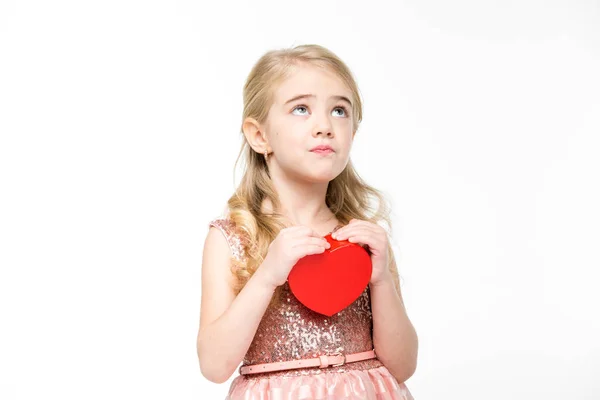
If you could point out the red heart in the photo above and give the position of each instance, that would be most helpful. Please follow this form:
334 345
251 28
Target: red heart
330 281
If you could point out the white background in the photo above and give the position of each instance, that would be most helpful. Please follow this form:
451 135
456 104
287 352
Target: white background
119 125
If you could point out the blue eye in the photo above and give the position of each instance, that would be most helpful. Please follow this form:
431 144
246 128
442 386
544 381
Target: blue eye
342 108
297 107
337 108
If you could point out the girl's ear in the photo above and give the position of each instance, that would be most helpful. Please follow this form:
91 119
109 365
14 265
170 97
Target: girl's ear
255 137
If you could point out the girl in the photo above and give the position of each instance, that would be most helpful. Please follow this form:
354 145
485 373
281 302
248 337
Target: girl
301 111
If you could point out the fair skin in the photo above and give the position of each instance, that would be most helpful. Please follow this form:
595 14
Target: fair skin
301 178
292 129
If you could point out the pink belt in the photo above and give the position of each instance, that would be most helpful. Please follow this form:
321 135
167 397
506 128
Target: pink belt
334 360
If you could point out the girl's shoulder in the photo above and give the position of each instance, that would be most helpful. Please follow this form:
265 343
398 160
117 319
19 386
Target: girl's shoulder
234 239
222 223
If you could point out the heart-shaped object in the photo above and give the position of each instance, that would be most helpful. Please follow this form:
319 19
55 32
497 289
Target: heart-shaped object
330 281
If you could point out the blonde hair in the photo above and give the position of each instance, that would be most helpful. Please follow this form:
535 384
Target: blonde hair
348 196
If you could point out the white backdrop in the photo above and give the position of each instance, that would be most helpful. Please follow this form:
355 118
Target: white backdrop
119 125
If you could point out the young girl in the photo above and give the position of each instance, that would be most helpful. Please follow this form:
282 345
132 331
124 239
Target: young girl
301 111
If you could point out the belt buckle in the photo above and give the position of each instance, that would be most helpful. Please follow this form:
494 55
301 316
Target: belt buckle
339 354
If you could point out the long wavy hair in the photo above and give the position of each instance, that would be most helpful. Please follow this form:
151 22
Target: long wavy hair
348 196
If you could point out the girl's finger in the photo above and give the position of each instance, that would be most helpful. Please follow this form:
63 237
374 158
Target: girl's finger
316 241
372 245
350 231
367 239
347 231
311 249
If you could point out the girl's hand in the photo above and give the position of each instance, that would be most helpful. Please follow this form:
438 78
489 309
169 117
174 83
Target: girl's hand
375 237
290 245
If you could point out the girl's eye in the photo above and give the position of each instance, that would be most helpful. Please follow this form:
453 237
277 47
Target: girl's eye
298 107
337 108
343 109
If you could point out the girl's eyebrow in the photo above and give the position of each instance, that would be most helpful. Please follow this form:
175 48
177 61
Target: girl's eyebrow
302 96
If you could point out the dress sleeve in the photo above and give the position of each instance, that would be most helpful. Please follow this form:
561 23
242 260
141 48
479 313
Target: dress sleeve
227 228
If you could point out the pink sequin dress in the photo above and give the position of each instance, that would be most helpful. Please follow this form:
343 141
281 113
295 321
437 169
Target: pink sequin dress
291 331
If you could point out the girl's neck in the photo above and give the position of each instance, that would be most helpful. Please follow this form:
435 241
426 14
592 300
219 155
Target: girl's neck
324 222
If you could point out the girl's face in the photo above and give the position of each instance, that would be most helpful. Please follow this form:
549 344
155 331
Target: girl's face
321 118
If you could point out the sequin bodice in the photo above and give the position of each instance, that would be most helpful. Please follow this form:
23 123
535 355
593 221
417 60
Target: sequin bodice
290 331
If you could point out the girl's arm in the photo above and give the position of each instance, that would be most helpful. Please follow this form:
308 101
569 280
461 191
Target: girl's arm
394 337
228 323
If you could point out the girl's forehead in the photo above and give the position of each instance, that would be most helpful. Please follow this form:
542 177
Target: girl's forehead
310 80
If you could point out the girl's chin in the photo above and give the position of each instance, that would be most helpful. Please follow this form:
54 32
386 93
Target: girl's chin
320 178
313 173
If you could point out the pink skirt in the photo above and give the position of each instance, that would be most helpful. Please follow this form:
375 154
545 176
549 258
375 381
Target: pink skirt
370 384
